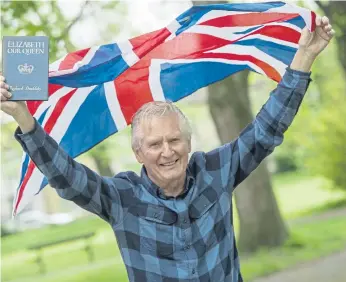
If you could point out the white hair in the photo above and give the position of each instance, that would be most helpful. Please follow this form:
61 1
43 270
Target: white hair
156 109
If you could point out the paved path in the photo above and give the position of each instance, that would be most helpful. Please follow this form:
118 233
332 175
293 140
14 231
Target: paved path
329 269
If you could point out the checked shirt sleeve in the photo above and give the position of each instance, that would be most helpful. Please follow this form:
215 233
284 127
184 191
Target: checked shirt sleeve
72 180
236 160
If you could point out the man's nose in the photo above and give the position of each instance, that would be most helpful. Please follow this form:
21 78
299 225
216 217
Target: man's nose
167 150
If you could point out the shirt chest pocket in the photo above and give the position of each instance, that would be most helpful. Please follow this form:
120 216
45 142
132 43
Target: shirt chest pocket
203 204
156 229
204 214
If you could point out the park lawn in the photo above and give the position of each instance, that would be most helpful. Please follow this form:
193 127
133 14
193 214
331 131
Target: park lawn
296 195
307 242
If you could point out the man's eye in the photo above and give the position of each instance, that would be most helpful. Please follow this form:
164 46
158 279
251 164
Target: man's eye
153 145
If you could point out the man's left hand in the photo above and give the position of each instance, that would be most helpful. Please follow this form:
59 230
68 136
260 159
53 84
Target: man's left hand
313 43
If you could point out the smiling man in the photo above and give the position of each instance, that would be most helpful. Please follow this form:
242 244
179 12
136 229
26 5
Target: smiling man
161 141
173 222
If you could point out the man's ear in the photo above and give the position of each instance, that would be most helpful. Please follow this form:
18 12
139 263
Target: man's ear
138 155
189 146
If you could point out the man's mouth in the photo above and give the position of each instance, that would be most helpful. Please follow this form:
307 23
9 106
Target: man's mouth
170 163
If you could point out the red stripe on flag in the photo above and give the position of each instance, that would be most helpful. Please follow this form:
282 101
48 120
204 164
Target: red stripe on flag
58 108
184 45
278 32
48 127
33 105
133 91
147 42
268 69
132 86
25 181
249 19
142 39
72 58
313 21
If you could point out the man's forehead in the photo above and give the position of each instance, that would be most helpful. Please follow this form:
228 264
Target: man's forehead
156 122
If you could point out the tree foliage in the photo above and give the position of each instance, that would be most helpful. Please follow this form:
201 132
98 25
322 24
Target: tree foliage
316 140
336 11
39 18
47 18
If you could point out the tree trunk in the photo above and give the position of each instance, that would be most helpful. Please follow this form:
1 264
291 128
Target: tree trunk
261 223
336 11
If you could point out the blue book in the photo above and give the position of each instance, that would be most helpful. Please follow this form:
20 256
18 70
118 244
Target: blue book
25 66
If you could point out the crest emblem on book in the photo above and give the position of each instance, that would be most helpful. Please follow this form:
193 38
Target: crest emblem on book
25 69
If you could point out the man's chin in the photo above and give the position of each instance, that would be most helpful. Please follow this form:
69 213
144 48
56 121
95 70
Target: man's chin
170 176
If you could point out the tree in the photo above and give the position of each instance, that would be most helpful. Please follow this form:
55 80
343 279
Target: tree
36 18
321 131
261 223
335 11
47 18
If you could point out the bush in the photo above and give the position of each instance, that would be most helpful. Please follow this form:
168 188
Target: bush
325 146
5 231
285 159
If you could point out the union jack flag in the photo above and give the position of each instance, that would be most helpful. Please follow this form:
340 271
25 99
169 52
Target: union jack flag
93 93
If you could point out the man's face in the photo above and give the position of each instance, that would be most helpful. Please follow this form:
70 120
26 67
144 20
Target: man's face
164 150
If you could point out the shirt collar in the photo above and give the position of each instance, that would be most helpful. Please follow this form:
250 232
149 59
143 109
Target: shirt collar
159 192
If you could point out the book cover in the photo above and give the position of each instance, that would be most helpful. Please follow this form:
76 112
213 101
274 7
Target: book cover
26 66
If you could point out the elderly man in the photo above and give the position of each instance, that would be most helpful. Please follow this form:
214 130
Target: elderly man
173 222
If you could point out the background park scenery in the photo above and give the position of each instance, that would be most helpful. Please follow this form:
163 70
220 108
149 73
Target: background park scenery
289 215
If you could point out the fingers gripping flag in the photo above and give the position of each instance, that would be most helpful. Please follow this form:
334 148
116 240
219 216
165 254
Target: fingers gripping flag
93 93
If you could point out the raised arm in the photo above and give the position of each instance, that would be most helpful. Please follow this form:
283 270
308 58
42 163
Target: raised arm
239 158
72 180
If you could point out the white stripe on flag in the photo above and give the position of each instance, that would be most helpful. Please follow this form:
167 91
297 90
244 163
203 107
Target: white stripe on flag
270 39
213 14
289 25
69 112
216 60
173 27
114 105
53 99
55 65
86 60
227 33
220 32
256 53
57 133
128 54
292 9
154 80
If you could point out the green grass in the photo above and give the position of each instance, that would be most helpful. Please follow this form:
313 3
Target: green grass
298 195
307 242
23 240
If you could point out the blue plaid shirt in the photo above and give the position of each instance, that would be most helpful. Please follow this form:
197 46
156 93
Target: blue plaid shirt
187 238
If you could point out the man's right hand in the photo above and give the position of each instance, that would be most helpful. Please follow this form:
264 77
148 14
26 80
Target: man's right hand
17 109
